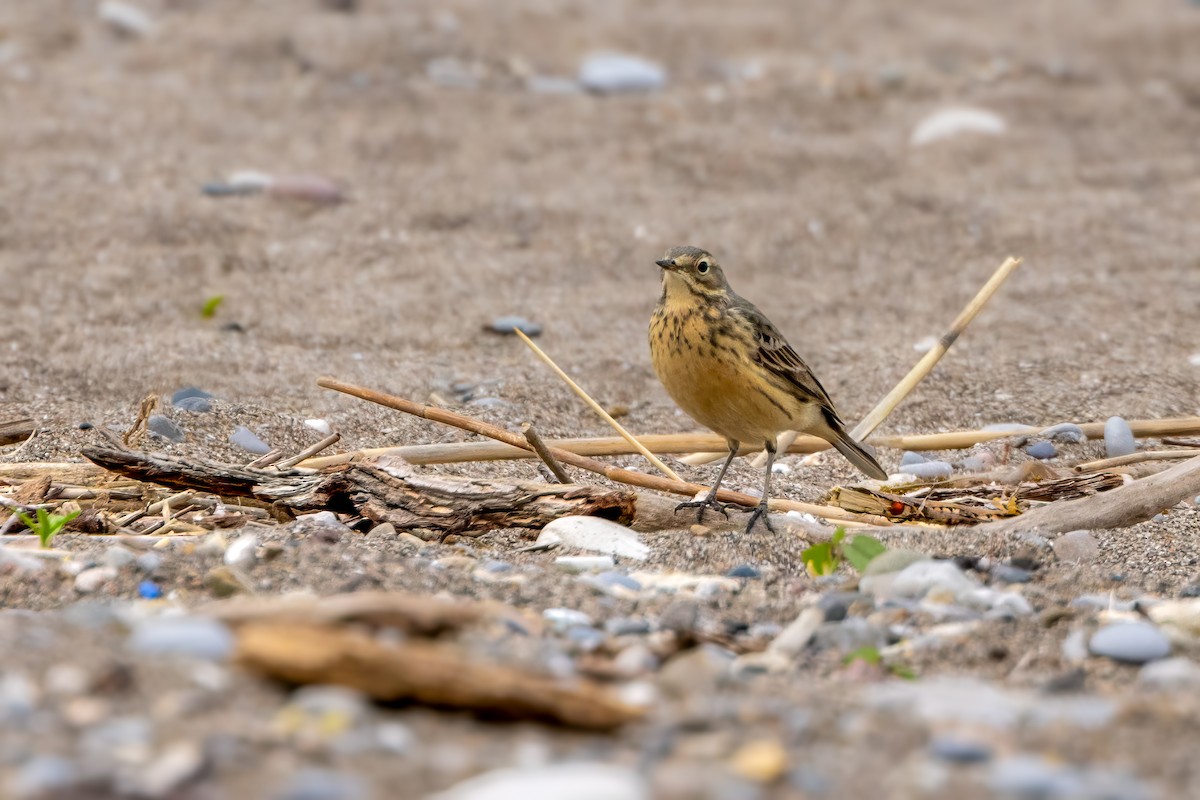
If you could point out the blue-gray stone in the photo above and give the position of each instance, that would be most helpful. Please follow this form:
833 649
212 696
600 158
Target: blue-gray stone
930 470
910 457
189 392
149 563
1130 642
192 637
584 639
1010 574
837 604
312 783
1118 438
165 427
614 578
508 325
1042 449
615 72
1025 776
244 438
744 571
197 405
627 626
973 464
959 751
852 633
1067 432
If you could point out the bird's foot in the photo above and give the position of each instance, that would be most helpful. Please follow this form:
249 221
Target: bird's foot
709 501
760 513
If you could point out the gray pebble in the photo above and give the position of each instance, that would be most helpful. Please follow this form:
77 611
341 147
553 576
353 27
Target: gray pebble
196 405
973 464
1042 450
744 571
1177 674
508 325
188 393
563 619
324 526
164 427
585 639
18 698
909 458
312 783
244 438
680 616
959 751
90 580
917 580
837 604
1077 546
930 470
1118 438
627 626
395 738
118 556
1010 574
42 776
149 563
1130 642
849 635
1067 432
613 578
1025 776
191 637
893 561
614 72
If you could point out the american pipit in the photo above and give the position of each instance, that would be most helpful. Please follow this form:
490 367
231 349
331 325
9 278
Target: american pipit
731 370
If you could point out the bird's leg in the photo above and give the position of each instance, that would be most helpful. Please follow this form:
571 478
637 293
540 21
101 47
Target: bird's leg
710 501
761 512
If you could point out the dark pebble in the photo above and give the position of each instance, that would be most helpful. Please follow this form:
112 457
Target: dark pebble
744 571
959 751
86 426
627 626
1042 450
189 392
1010 574
507 326
1191 591
164 427
680 616
837 604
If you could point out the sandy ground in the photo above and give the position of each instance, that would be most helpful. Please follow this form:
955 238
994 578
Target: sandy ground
780 143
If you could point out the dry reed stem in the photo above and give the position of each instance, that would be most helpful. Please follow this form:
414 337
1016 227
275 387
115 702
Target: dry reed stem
612 473
578 390
1135 458
310 451
539 447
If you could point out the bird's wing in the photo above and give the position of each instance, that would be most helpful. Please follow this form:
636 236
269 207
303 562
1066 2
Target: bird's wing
777 356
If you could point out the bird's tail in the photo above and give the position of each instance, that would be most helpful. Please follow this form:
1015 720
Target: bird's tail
856 454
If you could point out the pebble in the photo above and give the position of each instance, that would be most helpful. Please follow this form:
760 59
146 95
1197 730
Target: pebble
1025 776
126 18
909 458
189 393
976 463
595 535
212 545
1077 546
761 761
1010 574
93 578
680 616
384 530
319 425
958 750
849 635
191 637
607 73
744 571
1171 674
584 563
695 672
149 590
627 626
395 737
635 661
563 619
930 470
149 563
1130 642
43 776
246 439
577 780
196 405
893 561
507 326
585 639
312 783
224 582
796 636
241 551
836 605
1118 438
1067 432
118 556
324 526
1042 450
177 765
19 698
919 579
164 427
947 123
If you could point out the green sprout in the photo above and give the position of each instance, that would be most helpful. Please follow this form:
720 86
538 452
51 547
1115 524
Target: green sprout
824 558
872 656
209 310
47 525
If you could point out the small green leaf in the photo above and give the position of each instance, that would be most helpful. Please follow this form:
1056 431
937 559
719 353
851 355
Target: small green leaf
868 654
901 671
26 521
861 549
819 559
838 535
210 306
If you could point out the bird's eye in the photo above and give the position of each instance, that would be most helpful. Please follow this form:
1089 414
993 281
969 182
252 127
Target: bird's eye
702 267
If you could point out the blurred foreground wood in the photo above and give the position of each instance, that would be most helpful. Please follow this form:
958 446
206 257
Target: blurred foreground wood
433 673
16 430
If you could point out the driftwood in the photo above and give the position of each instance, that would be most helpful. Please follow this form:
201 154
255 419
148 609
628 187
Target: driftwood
435 505
432 673
1119 508
16 430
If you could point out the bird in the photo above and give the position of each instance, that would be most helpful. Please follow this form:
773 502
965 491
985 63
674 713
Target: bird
729 368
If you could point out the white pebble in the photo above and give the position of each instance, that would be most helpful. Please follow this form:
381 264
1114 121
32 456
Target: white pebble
92 579
241 552
126 18
926 344
320 426
594 534
950 122
615 72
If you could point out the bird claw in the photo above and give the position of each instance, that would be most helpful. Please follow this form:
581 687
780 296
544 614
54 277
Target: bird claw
707 502
760 513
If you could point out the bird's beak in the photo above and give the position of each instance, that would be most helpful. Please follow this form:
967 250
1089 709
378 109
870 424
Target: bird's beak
666 263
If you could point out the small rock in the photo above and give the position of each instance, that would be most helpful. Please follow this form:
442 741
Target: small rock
1067 432
836 605
680 616
796 636
595 535
1171 674
1180 618
189 393
923 577
241 552
930 470
395 738
627 626
246 439
384 530
562 619
19 699
1024 776
1118 438
695 671
196 405
1010 574
177 765
761 761
893 561
577 781
584 639
1077 546
191 637
43 776
950 122
92 579
66 680
164 427
311 783
635 661
213 545
607 73
149 563
126 18
744 571
118 556
583 563
849 635
1042 450
224 582
312 189
508 325
149 590
909 458
959 751
1130 642
319 425
324 526
976 463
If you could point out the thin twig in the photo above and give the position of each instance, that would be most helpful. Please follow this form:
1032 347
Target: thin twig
153 508
266 459
544 453
308 452
577 389
612 473
457 452
1135 458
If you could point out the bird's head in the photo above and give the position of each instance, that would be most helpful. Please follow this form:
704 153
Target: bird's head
694 269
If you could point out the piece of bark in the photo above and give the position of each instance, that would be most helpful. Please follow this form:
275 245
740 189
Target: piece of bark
432 505
1118 508
415 615
430 673
16 430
